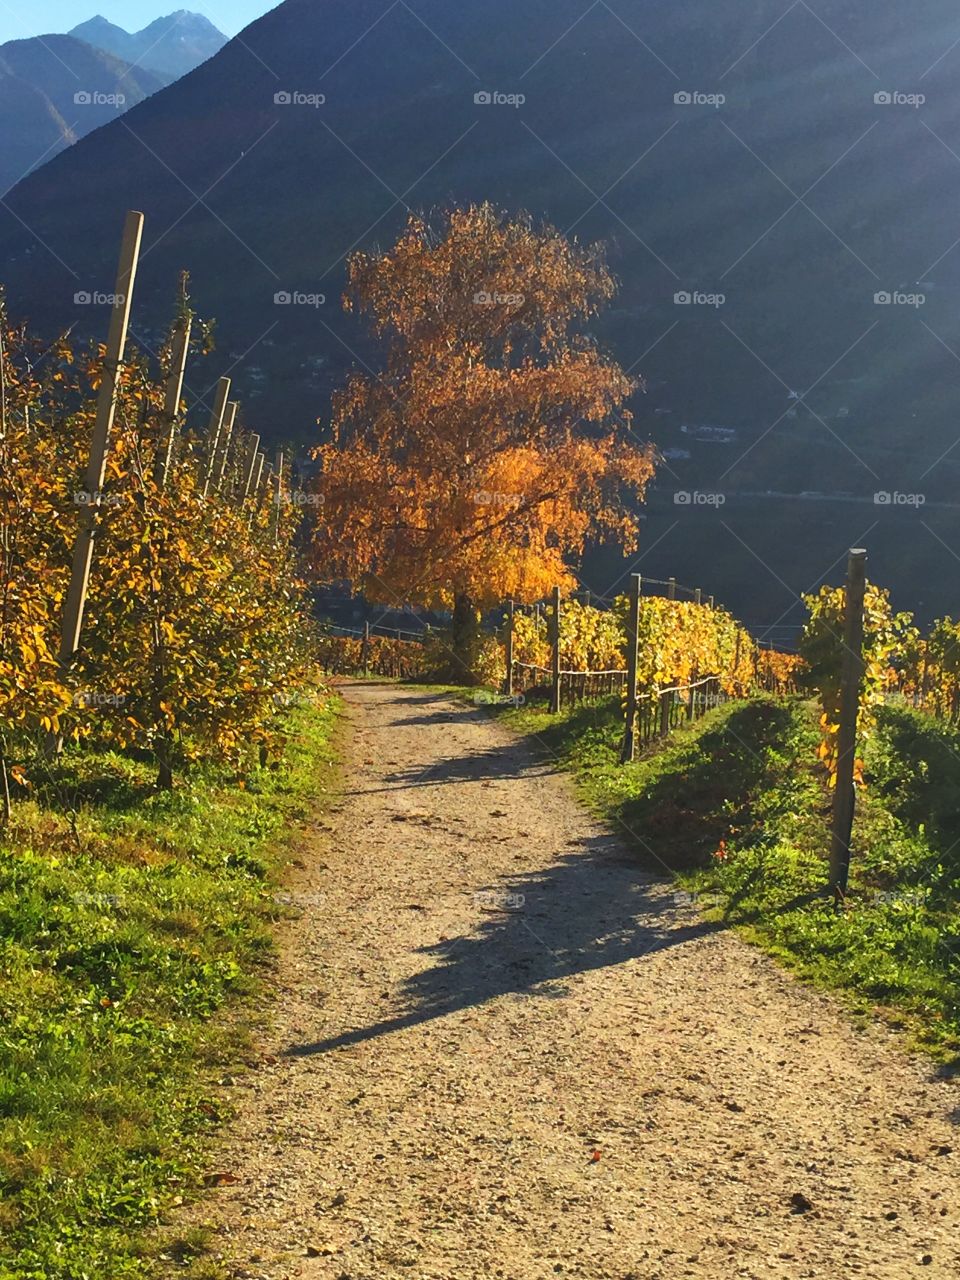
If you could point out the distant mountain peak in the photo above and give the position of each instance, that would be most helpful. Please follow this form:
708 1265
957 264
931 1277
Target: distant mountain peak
174 43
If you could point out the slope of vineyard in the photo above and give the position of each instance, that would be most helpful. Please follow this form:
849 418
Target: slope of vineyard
197 623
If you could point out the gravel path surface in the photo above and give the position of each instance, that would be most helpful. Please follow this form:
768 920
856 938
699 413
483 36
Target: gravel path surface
498 1050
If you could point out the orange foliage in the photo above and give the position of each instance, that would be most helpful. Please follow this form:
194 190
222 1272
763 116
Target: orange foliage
495 443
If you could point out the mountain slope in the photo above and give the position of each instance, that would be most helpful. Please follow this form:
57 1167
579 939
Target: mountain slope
174 44
798 199
54 90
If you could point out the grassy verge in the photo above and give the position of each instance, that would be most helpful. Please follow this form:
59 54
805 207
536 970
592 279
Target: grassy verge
746 776
127 920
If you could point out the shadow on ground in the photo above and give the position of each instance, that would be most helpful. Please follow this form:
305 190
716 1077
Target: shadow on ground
594 907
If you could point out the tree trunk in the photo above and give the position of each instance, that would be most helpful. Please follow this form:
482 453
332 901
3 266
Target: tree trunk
164 757
465 633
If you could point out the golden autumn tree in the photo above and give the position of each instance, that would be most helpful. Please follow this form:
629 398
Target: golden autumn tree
494 442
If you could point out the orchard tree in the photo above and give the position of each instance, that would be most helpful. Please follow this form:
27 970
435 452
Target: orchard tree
494 443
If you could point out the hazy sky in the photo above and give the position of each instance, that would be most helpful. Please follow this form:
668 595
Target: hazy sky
18 20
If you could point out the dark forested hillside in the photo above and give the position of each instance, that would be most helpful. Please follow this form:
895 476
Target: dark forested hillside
783 169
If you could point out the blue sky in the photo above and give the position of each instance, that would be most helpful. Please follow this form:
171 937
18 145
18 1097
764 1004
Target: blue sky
18 20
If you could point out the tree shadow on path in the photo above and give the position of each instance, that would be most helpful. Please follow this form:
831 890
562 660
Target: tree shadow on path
593 908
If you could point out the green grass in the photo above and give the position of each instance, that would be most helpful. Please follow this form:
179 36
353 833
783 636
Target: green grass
128 920
746 775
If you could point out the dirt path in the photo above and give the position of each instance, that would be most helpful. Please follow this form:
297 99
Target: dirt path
499 1051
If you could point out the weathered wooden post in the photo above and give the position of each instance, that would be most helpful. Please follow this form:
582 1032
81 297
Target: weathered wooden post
697 595
256 483
277 495
76 600
171 400
629 749
365 649
671 589
555 621
226 439
215 432
508 685
844 798
249 465
666 700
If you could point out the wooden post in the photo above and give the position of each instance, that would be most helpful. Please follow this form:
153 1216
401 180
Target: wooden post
629 749
229 427
249 465
277 496
508 686
555 625
844 798
665 701
672 589
171 401
106 412
215 432
365 651
710 600
258 474
697 596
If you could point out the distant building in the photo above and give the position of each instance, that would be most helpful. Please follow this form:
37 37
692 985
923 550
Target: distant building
709 434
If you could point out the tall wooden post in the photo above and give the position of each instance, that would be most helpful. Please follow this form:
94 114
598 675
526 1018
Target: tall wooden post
555 622
250 465
215 432
844 797
365 650
508 685
171 400
277 496
671 589
229 427
666 701
697 596
629 749
106 412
